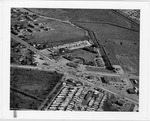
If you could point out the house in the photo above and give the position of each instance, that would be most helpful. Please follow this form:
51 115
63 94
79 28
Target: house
131 91
74 65
120 102
104 80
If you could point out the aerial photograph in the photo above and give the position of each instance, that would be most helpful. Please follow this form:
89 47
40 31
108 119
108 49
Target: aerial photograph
67 59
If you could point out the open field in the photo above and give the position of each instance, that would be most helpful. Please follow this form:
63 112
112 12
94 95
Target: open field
126 54
129 63
46 31
118 41
20 101
60 33
37 83
86 15
109 32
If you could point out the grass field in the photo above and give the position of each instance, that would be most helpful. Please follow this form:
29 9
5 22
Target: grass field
33 82
19 101
124 53
86 15
109 32
61 33
58 33
129 63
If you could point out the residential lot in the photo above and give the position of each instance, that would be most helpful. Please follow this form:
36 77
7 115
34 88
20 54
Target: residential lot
77 99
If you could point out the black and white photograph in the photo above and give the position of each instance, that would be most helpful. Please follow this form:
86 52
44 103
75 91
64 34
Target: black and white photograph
74 59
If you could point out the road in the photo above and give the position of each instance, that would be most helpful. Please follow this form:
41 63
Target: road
74 77
28 46
63 70
99 86
33 67
128 76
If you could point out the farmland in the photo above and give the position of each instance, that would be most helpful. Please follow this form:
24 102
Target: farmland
126 54
107 31
19 101
45 31
38 84
60 33
85 15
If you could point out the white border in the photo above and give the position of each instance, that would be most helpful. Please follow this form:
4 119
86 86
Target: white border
141 115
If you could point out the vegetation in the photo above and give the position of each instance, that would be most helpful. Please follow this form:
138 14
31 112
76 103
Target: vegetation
19 101
108 104
85 15
34 82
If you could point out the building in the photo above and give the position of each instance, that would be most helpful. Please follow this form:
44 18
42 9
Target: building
74 65
31 26
104 80
120 102
87 98
131 91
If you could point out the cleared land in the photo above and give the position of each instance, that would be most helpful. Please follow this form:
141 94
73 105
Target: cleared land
124 53
86 15
33 82
60 33
108 32
121 45
20 101
48 31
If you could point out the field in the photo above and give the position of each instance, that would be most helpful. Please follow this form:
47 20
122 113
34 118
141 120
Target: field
34 83
126 54
118 41
109 32
129 63
85 15
19 101
49 31
60 33
87 56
